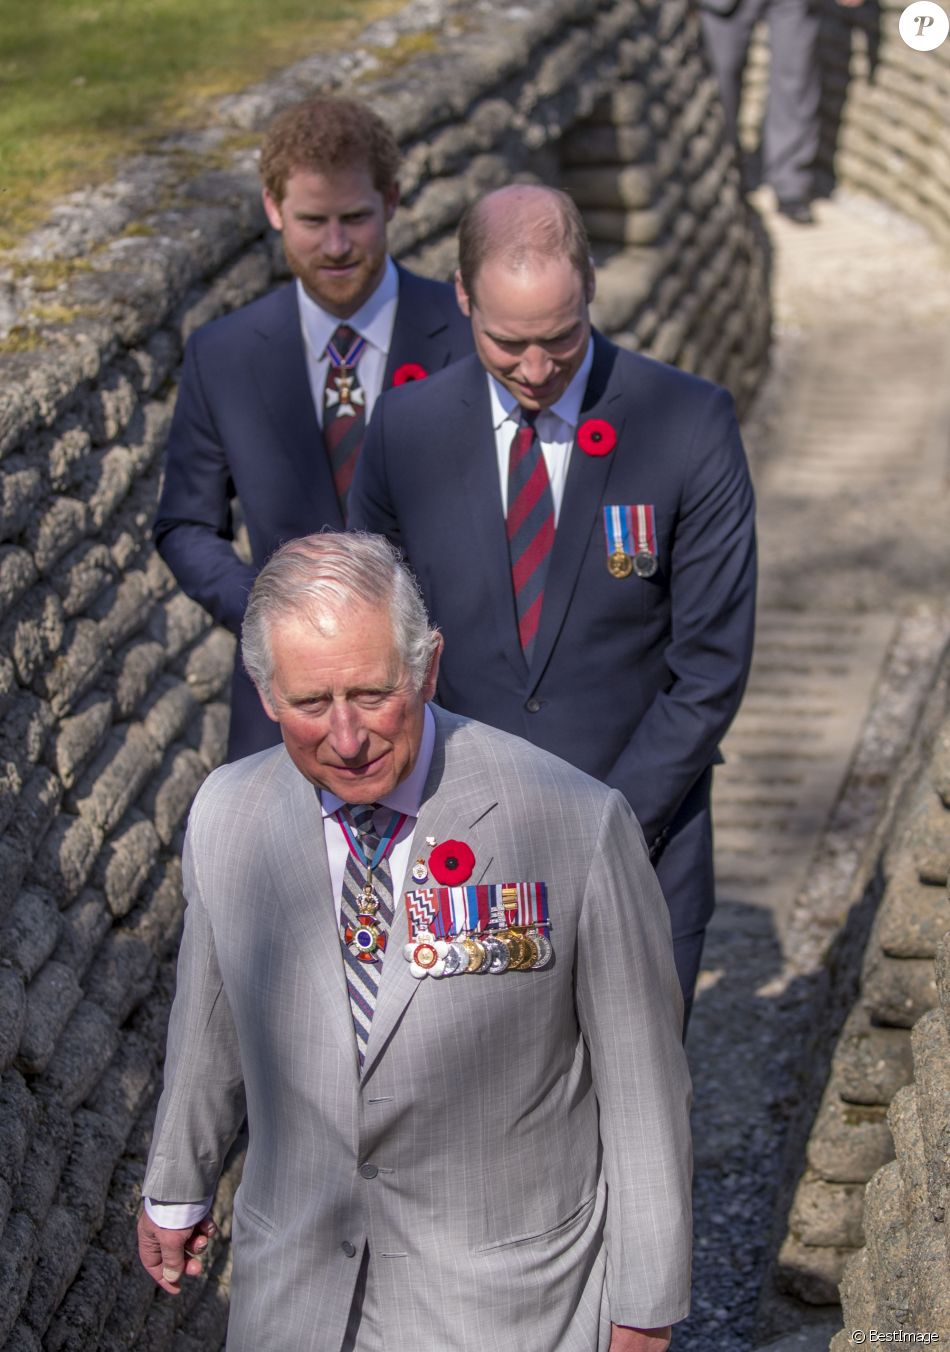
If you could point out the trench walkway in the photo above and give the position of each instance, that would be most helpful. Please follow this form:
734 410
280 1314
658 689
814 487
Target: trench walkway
849 445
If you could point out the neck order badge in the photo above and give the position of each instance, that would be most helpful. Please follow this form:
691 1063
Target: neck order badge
344 411
366 909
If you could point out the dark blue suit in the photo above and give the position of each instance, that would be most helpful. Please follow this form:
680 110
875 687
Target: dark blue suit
634 680
245 427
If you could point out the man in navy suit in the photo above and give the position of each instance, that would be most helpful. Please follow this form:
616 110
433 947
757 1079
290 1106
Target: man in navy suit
580 519
274 398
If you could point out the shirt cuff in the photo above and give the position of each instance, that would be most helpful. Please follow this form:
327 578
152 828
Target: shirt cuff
177 1215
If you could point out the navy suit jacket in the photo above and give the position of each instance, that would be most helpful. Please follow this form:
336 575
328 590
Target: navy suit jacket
632 679
245 427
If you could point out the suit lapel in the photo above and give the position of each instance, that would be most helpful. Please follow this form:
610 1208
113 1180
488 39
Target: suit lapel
302 879
284 386
587 477
419 331
449 810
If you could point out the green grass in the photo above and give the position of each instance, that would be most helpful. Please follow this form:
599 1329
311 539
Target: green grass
83 81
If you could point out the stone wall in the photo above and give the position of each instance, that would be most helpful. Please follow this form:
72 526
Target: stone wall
883 111
112 682
898 1281
874 1057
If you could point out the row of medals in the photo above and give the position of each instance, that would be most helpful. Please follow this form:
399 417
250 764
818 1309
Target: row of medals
516 949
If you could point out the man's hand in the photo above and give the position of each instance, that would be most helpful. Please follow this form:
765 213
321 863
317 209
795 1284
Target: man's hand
626 1339
167 1255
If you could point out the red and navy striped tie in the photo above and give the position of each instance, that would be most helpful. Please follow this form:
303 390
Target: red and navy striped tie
530 526
344 414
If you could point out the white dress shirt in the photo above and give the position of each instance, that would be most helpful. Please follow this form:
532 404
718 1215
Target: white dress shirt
373 321
406 798
556 427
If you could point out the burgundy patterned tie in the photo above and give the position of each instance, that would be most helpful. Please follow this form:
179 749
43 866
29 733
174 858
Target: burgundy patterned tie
344 413
530 526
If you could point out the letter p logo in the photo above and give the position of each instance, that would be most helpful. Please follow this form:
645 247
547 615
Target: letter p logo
924 25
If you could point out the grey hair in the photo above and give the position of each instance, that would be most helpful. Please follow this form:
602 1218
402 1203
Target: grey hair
327 575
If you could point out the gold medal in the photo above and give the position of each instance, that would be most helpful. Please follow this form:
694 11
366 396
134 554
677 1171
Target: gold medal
476 953
619 564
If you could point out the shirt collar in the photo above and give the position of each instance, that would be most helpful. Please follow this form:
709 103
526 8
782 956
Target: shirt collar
372 321
504 405
407 795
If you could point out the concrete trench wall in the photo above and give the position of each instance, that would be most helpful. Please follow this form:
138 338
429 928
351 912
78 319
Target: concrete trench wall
112 683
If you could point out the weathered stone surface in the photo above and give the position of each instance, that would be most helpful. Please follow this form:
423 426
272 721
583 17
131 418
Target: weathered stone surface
48 1151
932 1087
76 669
138 667
81 575
66 857
827 1214
123 610
62 1240
913 916
849 1141
169 709
940 764
85 924
173 791
18 1115
121 974
12 1013
928 841
14 862
124 1087
125 862
17 575
209 734
84 1310
96 1147
115 778
30 932
898 990
82 1054
18 1248
54 531
810 1272
51 998
887 1244
207 668
871 1063
81 735
33 634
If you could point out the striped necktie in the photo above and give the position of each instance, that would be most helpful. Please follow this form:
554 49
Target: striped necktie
344 412
530 526
363 969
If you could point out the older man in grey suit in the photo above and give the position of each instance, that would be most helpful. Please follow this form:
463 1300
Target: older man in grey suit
467 1095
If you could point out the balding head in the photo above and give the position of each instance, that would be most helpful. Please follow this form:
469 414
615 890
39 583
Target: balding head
522 226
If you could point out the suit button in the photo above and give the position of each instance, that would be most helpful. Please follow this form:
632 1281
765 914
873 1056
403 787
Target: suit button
348 1248
368 1171
533 705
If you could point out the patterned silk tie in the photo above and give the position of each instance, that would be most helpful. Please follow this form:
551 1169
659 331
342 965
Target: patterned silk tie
363 969
530 526
344 412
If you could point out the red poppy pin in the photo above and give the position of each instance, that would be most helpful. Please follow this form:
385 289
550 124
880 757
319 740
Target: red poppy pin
596 437
410 370
451 863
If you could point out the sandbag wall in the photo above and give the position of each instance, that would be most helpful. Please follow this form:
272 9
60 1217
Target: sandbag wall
113 684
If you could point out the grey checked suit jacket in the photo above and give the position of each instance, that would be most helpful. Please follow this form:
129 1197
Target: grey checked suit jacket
527 1134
